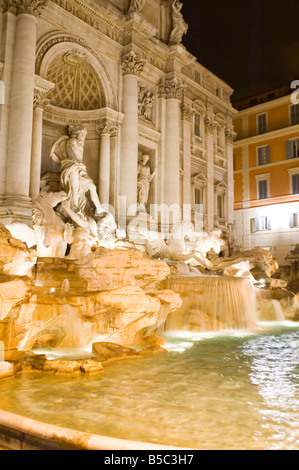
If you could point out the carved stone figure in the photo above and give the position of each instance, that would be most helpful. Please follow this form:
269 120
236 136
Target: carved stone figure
68 151
136 5
145 105
185 245
145 177
52 234
179 26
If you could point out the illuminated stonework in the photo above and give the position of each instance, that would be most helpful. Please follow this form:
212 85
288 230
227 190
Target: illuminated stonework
122 72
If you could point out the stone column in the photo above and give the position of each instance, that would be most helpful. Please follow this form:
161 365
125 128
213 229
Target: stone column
187 116
104 129
172 90
40 102
21 105
132 66
210 127
114 168
230 136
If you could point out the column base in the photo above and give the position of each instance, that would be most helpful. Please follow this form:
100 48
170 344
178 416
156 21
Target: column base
15 208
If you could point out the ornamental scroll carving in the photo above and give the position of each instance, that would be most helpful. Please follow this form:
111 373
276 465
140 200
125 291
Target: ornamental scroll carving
171 88
31 7
132 64
137 5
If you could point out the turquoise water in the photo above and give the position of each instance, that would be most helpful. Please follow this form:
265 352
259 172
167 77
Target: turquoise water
230 391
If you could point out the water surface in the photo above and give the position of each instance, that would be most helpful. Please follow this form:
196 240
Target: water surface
230 391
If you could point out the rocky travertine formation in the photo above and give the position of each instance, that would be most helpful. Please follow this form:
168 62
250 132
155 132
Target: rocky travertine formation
259 262
110 294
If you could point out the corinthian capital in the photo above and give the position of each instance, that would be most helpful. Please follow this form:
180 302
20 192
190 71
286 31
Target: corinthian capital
40 100
107 126
31 7
132 64
171 88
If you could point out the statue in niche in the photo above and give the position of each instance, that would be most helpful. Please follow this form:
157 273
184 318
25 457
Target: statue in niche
145 177
68 210
179 26
136 5
145 105
68 151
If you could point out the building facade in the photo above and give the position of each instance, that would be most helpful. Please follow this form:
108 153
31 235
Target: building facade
117 68
266 172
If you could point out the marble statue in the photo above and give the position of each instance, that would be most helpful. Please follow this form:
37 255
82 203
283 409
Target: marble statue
179 26
185 245
52 234
68 151
145 177
136 5
145 105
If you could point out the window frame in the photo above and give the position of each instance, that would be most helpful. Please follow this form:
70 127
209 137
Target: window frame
257 155
259 178
257 123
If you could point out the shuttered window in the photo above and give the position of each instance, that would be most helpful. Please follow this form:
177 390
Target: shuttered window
295 184
262 123
260 223
294 114
263 155
263 189
292 149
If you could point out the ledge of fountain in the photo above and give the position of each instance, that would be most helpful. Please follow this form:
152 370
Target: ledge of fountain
21 433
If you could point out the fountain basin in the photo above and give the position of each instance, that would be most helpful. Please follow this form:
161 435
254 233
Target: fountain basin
21 433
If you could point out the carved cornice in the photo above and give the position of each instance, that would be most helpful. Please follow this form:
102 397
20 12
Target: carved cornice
132 64
17 7
171 88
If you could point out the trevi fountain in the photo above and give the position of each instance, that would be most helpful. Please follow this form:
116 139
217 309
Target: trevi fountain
185 343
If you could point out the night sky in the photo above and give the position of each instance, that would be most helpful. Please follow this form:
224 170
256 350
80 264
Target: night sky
253 45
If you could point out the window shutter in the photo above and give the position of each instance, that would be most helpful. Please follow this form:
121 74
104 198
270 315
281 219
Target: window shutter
290 149
257 224
292 225
268 223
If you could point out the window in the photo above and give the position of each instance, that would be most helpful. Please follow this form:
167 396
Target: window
220 137
263 155
260 223
263 189
198 200
293 148
262 123
295 184
294 220
220 206
197 122
294 114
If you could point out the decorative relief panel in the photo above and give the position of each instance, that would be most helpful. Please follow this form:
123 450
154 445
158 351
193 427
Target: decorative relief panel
145 103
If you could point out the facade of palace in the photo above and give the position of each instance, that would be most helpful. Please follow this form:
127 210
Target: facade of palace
266 172
159 124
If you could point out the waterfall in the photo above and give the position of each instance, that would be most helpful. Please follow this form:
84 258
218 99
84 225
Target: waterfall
212 303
